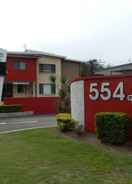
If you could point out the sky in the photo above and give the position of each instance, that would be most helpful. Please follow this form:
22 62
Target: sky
78 29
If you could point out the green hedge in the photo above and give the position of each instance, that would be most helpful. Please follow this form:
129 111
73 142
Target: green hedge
65 122
10 108
112 127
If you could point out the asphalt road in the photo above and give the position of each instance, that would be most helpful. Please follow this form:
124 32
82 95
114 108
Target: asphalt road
20 123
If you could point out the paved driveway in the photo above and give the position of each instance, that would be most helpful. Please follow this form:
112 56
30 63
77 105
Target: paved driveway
20 123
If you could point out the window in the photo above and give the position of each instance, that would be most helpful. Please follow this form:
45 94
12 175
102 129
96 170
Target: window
2 69
47 68
20 65
47 89
20 88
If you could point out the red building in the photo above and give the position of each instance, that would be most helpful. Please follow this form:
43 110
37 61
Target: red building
21 84
28 80
21 76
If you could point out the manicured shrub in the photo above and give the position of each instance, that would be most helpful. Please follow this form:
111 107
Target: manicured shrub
112 127
10 108
65 122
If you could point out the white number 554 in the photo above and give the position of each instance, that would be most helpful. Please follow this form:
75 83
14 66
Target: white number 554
105 92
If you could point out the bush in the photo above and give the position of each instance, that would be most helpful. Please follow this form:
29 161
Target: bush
10 108
112 127
65 122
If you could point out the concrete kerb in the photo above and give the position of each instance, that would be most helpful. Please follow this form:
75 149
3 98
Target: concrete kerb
16 114
26 129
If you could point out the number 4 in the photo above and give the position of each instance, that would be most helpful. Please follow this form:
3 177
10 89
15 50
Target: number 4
119 91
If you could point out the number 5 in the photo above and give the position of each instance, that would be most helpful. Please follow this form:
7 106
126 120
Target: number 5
95 92
105 90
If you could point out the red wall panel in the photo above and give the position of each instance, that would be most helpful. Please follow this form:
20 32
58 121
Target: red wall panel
21 75
39 105
111 105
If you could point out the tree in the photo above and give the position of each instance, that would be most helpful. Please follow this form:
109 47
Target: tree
95 65
53 82
84 71
64 93
52 78
91 66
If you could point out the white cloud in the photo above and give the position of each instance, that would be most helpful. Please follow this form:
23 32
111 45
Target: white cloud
81 29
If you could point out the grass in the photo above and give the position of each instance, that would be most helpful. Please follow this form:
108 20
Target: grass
43 156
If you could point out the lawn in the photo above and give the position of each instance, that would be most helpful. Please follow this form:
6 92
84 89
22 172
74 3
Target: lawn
43 156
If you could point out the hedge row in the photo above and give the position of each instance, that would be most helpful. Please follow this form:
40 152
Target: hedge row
10 108
112 127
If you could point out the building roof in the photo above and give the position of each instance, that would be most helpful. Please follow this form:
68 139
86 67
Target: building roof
33 53
119 68
123 65
36 54
74 60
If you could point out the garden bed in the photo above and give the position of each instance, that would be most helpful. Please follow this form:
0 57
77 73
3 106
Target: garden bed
91 138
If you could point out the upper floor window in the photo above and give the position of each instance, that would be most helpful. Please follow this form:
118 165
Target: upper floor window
20 65
47 68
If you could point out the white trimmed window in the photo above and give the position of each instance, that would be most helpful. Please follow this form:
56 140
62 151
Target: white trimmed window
20 65
20 89
47 89
47 68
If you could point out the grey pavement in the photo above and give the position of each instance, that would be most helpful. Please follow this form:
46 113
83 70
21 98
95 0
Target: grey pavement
30 122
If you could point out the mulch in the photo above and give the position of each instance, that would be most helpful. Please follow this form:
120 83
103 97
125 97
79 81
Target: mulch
91 138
